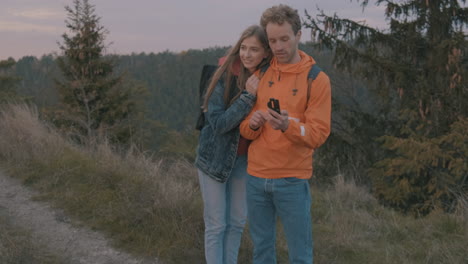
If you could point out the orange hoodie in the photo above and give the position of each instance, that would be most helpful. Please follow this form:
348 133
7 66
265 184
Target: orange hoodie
274 154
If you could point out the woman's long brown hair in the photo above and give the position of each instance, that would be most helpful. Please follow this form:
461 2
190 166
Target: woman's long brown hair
233 57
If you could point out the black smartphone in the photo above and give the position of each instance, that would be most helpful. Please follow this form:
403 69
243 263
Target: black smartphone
274 105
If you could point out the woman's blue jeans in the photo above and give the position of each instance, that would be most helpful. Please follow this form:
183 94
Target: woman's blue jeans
288 198
225 213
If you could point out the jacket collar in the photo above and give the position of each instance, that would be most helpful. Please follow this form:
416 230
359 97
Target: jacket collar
303 65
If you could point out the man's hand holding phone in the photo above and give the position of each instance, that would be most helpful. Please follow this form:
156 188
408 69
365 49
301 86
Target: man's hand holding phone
278 118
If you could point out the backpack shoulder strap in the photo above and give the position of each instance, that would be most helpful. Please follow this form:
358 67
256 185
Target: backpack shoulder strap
205 78
207 72
263 69
313 73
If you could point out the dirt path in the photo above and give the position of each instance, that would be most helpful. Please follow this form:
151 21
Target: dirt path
51 227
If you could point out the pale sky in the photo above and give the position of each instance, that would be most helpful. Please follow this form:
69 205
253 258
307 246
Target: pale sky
33 27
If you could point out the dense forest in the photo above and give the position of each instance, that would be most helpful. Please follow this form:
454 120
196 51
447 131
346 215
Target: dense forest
171 78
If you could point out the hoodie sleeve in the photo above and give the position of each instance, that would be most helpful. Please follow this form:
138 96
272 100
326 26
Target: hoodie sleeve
316 128
223 120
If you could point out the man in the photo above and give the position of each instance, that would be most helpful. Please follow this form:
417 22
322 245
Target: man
280 155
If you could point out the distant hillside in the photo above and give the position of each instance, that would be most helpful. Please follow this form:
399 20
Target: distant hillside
172 80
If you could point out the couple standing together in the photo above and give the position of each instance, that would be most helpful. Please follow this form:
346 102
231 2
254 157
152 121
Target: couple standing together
252 161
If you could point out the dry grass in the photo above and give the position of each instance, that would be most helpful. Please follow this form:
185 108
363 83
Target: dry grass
153 207
149 207
350 222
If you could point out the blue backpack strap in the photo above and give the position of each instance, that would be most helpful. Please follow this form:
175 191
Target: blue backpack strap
313 73
263 69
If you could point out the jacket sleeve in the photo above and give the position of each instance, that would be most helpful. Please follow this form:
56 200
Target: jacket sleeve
316 128
245 129
223 120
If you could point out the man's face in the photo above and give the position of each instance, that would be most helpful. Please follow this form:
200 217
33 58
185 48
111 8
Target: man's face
283 42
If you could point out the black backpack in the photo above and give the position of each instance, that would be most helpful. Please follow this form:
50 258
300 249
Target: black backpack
208 71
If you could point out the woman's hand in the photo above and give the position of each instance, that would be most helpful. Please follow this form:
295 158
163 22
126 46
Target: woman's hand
252 84
257 120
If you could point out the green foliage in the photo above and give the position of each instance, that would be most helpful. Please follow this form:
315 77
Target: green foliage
94 102
419 69
8 82
172 79
425 172
356 117
37 81
166 102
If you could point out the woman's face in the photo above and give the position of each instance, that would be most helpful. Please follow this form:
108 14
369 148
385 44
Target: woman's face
252 53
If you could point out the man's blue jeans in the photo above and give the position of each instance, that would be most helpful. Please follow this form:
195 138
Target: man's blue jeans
288 198
225 213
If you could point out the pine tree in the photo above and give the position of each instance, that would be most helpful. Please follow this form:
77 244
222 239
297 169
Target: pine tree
94 100
8 82
419 66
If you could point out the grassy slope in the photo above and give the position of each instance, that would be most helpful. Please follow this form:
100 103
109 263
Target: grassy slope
153 207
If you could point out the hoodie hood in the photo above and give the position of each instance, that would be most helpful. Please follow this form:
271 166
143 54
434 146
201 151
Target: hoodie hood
235 66
303 65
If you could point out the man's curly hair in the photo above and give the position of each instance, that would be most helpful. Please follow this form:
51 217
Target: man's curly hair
280 14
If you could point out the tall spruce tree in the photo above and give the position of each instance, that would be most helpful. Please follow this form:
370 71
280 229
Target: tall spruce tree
8 82
419 67
94 102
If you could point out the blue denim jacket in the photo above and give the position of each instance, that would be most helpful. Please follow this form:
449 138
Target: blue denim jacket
219 138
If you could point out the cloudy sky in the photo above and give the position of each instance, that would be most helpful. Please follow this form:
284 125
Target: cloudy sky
33 27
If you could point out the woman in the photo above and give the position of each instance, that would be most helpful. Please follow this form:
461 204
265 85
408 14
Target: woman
221 153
